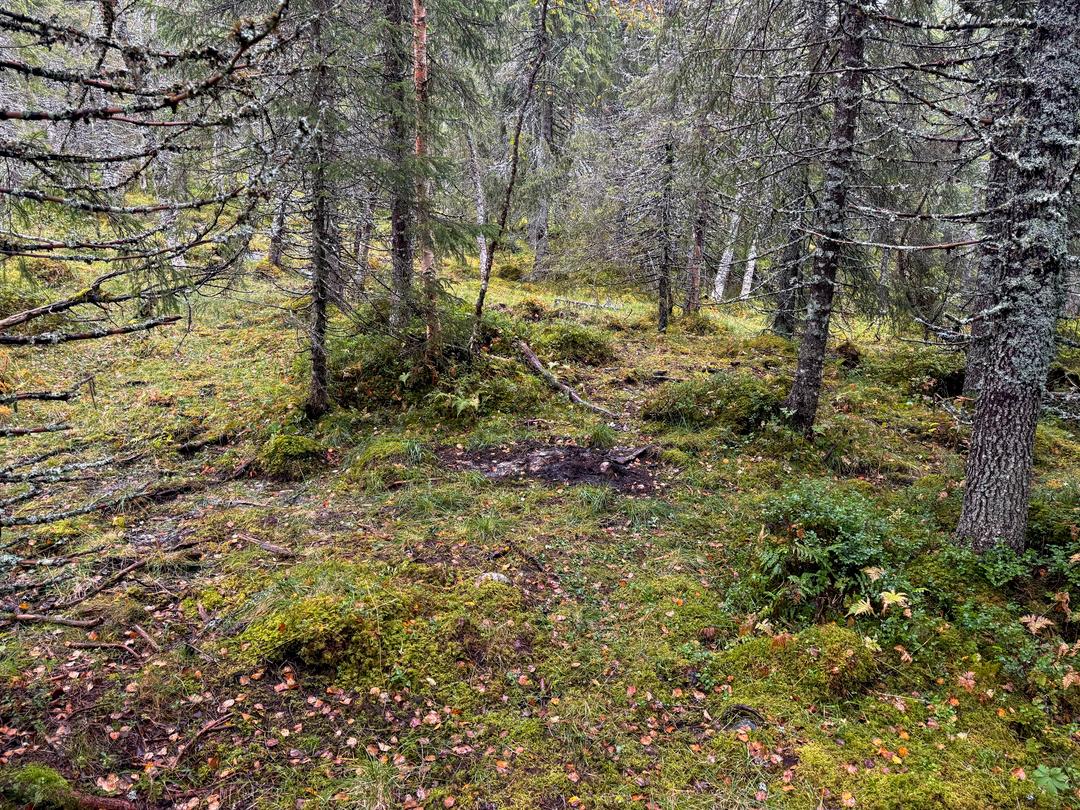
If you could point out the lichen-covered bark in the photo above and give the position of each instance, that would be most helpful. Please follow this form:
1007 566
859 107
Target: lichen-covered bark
1029 296
802 400
1005 70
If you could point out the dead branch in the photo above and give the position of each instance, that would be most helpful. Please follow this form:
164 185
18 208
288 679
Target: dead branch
105 583
533 362
56 427
266 545
52 338
41 618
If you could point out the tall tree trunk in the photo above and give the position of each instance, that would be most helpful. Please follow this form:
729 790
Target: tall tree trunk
538 228
365 227
727 258
1029 297
789 280
1007 71
667 231
324 239
695 268
395 77
789 277
481 199
542 44
802 400
425 236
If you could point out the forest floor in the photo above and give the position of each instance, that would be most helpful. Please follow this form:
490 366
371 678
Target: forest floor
486 597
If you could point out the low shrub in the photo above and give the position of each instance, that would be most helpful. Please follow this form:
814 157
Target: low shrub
823 552
917 369
741 402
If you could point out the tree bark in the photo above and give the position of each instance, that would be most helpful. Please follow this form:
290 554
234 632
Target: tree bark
727 258
425 235
481 199
696 265
667 228
802 400
997 193
324 240
395 76
277 232
748 274
1029 297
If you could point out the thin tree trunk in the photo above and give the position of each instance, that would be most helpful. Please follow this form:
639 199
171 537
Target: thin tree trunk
538 228
666 235
481 199
727 258
277 232
696 265
395 76
1028 300
748 275
802 400
365 227
542 43
324 240
426 240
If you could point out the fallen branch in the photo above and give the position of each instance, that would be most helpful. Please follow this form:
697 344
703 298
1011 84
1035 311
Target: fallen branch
26 431
105 583
100 645
46 396
532 361
41 618
266 545
52 338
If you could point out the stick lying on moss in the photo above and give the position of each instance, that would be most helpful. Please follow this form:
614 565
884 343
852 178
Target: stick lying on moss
533 362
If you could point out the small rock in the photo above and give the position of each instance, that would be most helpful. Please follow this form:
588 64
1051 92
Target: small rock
492 576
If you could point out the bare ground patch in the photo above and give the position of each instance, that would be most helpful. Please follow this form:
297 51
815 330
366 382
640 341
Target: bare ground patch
627 469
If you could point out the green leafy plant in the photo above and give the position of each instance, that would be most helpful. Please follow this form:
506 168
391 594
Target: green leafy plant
1051 780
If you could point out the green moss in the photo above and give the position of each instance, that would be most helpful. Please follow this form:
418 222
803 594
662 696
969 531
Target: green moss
699 324
290 457
38 786
574 343
824 663
739 402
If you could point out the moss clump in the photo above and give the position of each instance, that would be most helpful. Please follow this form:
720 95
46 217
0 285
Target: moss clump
532 309
37 786
513 266
699 324
828 661
739 402
368 626
574 343
290 457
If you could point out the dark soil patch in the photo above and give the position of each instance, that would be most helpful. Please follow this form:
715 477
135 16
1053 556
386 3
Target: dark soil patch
626 469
